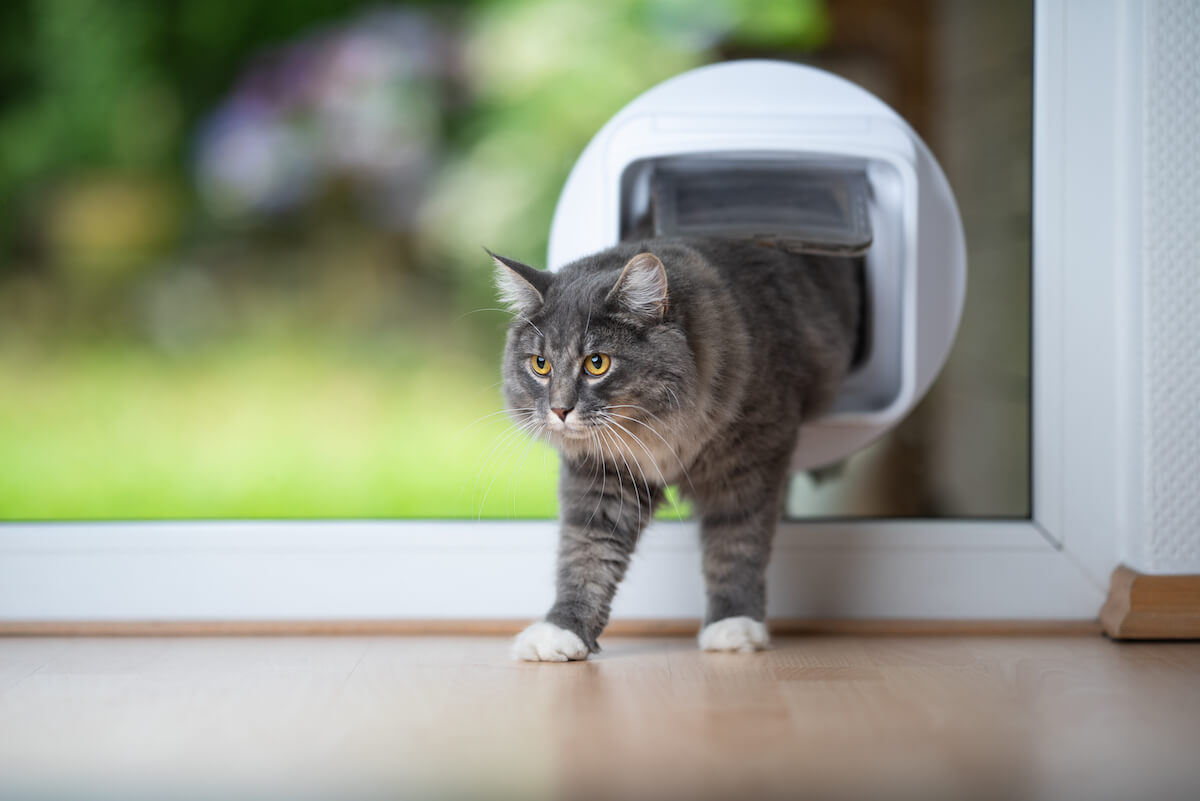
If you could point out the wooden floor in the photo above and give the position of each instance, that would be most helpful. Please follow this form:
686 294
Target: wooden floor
432 717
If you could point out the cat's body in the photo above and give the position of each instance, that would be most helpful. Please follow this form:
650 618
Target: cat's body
713 352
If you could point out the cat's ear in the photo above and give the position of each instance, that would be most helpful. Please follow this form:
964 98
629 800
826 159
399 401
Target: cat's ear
521 287
642 287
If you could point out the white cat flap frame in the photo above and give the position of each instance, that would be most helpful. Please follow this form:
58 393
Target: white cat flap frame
780 113
1086 485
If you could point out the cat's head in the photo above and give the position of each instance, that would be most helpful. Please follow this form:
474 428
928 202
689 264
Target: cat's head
593 347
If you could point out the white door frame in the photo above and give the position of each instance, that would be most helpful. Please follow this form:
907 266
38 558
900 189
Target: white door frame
1053 566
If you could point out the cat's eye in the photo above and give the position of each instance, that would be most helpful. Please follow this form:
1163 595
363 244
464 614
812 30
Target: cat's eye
597 364
540 365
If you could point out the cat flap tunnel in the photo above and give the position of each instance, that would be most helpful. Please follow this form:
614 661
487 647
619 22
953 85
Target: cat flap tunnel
794 157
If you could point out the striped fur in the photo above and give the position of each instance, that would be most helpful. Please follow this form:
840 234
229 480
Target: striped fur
712 372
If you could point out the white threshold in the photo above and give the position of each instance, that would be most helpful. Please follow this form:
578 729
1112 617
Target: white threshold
468 570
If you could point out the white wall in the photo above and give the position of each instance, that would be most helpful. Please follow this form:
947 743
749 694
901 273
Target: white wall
1160 200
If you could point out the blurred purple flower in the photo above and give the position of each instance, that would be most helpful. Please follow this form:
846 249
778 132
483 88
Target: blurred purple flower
358 104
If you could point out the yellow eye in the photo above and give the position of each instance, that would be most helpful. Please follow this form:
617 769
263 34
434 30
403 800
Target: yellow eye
597 364
539 365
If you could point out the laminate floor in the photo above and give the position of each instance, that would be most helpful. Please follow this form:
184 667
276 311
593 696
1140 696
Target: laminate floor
648 718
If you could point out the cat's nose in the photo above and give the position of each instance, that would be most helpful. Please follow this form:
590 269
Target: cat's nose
562 413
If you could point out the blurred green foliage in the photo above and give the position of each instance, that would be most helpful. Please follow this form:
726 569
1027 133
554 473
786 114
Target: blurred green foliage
157 360
119 83
548 74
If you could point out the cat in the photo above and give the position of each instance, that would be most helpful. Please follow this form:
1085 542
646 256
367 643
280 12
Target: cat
686 362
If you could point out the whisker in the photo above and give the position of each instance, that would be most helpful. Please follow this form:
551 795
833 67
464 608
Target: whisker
632 479
599 464
603 480
508 438
650 455
479 464
503 439
638 495
647 451
644 411
649 499
617 445
488 416
477 311
620 489
508 496
544 470
510 442
531 325
515 315
652 430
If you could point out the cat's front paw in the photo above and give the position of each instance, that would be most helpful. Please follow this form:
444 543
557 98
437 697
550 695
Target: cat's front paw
546 642
742 634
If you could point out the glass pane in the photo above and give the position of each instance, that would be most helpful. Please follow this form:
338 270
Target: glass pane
241 272
962 75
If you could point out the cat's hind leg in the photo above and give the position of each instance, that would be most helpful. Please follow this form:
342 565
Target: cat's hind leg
742 634
737 525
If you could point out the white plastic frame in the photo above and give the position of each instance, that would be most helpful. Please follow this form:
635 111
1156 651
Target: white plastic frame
1054 565
715 111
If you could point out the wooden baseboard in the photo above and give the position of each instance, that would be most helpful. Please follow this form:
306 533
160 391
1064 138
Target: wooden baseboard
1145 607
618 628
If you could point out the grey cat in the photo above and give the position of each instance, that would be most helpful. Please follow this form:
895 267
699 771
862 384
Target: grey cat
673 362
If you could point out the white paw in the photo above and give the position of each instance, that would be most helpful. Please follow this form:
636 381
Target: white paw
734 634
546 642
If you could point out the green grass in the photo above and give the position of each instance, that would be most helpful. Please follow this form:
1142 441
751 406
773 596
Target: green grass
261 431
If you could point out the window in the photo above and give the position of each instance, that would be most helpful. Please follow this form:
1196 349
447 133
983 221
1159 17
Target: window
242 276
176 342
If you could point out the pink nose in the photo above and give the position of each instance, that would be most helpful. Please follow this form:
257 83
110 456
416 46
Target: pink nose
562 413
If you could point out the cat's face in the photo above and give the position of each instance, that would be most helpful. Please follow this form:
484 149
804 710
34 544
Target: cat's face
591 351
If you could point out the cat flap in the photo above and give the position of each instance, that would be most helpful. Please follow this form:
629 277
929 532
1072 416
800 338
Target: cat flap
800 205
805 160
